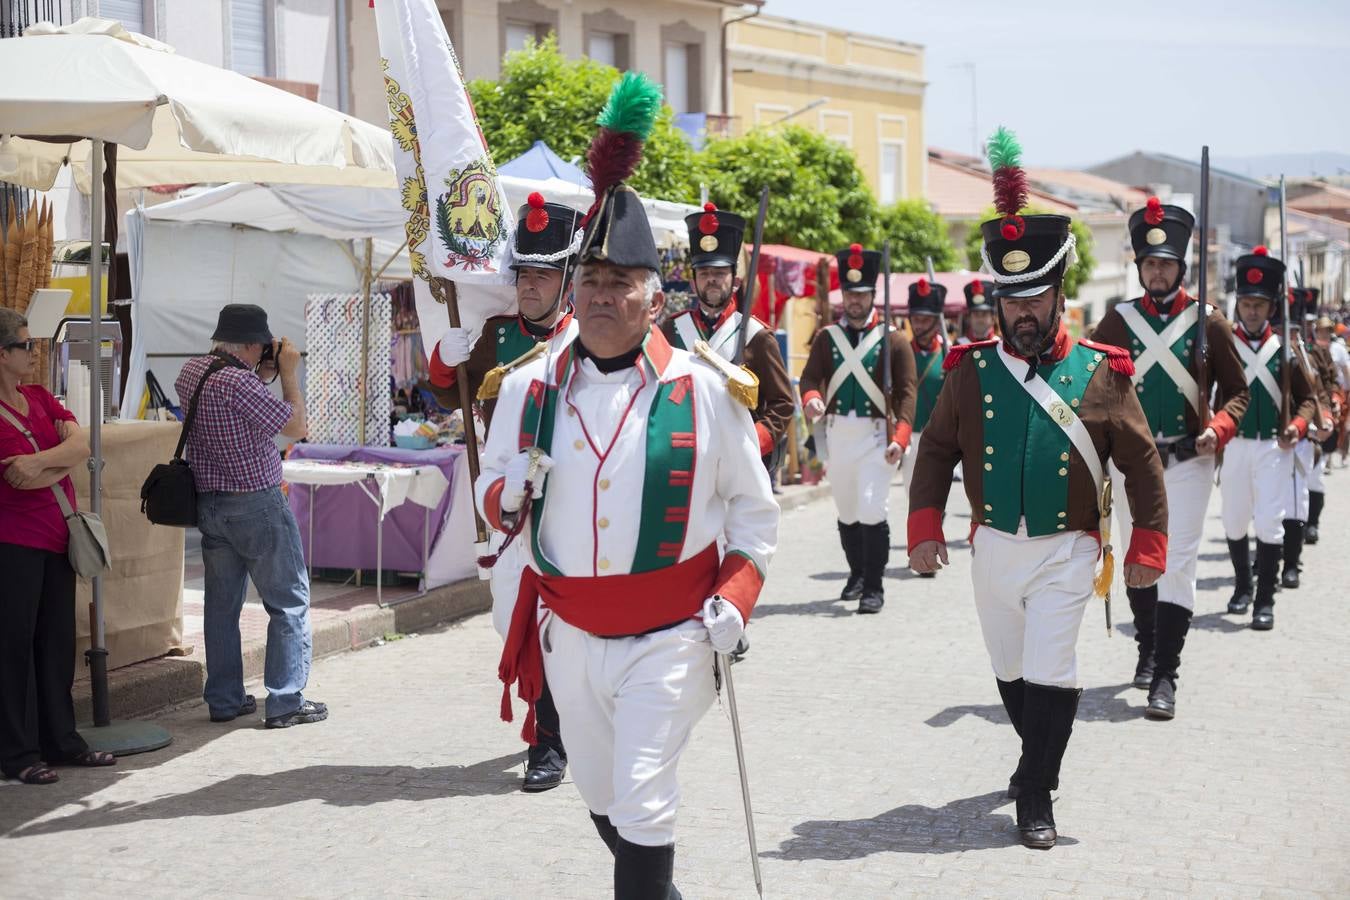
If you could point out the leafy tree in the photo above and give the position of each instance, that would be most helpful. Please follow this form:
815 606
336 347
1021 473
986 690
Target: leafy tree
1075 276
916 232
542 95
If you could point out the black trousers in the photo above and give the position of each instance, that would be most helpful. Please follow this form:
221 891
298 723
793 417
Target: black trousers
37 659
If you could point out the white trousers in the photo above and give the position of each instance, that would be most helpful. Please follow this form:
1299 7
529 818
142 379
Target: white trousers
1255 483
628 707
1317 473
1188 487
1030 594
911 456
504 578
1296 501
860 477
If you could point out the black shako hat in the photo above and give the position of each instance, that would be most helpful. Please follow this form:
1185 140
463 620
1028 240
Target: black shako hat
1161 229
1018 245
979 295
858 268
544 233
927 297
1260 275
619 232
1303 304
715 237
242 323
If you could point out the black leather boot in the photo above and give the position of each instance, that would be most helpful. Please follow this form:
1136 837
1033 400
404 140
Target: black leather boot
1267 572
1014 694
851 539
1047 722
643 873
877 541
546 761
1240 553
1293 552
1316 500
1173 623
1144 605
608 833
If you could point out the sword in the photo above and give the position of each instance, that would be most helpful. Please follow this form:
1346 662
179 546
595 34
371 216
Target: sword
724 668
886 332
751 279
1201 334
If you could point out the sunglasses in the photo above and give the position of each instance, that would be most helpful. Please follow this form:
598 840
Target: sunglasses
22 345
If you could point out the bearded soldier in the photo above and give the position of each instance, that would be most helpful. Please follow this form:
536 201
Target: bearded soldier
544 250
842 381
714 248
979 312
928 341
1258 465
1160 330
633 477
1033 419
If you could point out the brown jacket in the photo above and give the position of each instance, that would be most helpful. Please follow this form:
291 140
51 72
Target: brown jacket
1327 387
1113 417
1224 370
904 378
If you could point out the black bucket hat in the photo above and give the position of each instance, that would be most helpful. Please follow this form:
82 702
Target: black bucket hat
242 323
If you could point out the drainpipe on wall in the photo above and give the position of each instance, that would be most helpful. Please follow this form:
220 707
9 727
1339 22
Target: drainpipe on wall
726 66
341 9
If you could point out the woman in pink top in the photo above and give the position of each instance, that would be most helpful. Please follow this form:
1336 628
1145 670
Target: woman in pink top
37 607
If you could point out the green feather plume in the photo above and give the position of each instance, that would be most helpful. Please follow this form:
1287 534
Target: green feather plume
1003 150
633 106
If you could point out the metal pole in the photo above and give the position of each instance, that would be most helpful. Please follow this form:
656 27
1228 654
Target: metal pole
97 653
724 661
363 402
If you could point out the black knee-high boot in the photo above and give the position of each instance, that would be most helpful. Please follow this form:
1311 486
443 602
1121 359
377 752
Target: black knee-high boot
1014 694
851 539
877 539
608 833
1144 605
643 873
1173 624
1047 722
1240 553
1267 573
1316 500
1293 552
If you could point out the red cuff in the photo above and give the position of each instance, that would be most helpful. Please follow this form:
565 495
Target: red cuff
809 396
925 525
492 504
1147 548
438 373
1223 426
903 431
765 439
739 581
1302 426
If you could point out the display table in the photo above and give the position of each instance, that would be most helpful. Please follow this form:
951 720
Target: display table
143 593
360 520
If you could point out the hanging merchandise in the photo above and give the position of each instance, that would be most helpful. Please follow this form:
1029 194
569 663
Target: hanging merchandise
333 324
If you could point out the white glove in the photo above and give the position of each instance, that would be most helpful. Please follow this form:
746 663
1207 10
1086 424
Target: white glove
724 623
894 453
517 469
814 409
454 346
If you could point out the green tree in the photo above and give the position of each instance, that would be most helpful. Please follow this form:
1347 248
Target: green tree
916 232
542 95
1075 276
818 198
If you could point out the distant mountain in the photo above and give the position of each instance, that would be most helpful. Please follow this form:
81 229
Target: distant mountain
1292 165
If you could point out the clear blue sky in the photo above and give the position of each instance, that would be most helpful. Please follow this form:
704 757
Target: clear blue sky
1081 81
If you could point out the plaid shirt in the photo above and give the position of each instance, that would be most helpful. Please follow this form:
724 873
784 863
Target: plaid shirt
231 446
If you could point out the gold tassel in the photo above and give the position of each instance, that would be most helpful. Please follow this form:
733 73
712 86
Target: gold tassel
1102 583
492 381
745 394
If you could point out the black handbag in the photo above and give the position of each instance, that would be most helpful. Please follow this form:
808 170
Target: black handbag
169 495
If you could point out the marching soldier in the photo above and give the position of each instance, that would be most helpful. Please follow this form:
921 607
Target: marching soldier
1160 329
624 465
1032 418
714 248
1324 353
979 312
842 381
929 344
544 250
1258 464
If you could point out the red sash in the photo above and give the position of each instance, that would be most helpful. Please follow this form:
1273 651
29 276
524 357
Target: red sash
608 606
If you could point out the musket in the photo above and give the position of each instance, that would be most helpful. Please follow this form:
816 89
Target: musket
751 278
724 666
1286 385
886 332
942 316
1201 338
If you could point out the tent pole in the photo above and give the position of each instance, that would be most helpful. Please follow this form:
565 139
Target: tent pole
364 402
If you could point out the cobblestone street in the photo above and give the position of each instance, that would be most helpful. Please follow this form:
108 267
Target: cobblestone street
878 756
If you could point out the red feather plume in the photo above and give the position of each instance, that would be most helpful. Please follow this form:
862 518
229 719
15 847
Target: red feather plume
1153 214
1010 190
613 157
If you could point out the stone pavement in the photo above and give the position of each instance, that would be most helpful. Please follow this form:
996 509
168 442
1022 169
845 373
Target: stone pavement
878 754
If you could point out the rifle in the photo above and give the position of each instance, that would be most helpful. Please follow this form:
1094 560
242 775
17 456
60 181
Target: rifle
942 316
751 278
1286 352
886 332
1201 338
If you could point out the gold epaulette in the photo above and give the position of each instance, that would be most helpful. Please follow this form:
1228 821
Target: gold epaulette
742 384
492 381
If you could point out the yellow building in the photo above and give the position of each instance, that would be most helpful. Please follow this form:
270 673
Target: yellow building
864 92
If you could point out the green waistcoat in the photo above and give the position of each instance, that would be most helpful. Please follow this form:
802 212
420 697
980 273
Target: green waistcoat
1026 454
1262 419
1161 398
931 377
851 398
510 341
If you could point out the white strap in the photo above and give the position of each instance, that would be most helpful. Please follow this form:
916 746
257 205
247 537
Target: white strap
1256 364
1158 349
723 340
853 365
1059 412
686 331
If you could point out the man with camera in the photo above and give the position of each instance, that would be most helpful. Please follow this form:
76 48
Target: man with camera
247 528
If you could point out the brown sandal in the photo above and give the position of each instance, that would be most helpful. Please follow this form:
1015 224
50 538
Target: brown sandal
92 758
38 774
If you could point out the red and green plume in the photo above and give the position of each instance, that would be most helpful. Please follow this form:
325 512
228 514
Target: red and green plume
1010 180
625 124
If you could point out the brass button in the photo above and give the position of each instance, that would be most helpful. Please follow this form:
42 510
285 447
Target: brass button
1096 357
977 353
1064 457
603 523
604 564
1074 402
988 398
982 364
578 443
989 451
1139 388
1063 514
1060 526
604 484
988 508
989 467
988 413
1063 471
1092 367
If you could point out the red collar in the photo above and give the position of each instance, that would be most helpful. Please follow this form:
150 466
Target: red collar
970 336
558 327
870 324
1178 304
1261 338
933 347
1058 350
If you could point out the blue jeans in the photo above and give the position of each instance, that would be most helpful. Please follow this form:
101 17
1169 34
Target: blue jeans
244 536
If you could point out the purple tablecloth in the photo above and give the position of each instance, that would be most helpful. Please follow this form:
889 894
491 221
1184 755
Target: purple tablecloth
345 518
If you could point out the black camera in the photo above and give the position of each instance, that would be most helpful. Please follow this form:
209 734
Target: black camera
269 354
